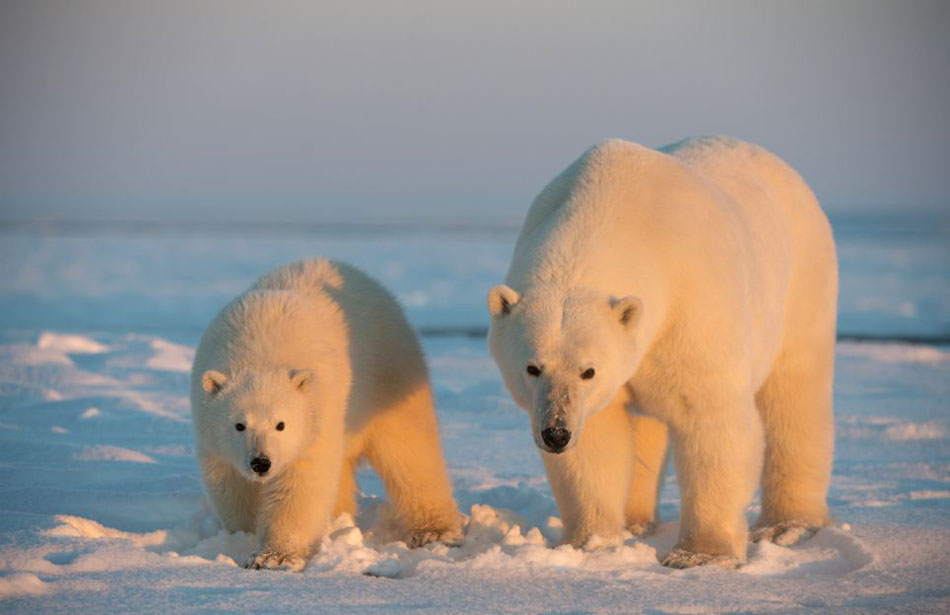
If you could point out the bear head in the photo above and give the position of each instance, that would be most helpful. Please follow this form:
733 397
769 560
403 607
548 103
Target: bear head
260 420
563 356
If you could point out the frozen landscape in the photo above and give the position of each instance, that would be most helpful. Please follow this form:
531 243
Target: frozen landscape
103 510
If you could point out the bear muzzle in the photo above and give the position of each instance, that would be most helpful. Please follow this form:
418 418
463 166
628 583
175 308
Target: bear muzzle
555 439
260 465
553 433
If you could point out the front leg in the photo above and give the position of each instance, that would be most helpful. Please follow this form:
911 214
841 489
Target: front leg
718 452
590 482
233 496
296 509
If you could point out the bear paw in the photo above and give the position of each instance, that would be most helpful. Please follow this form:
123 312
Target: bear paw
681 558
451 537
599 542
274 560
784 533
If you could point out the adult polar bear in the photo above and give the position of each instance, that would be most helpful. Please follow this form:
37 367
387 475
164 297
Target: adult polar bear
697 285
297 379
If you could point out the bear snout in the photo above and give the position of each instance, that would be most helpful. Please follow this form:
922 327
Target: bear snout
260 465
555 438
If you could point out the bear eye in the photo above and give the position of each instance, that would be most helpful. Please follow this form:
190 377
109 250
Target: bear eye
588 374
534 370
280 426
239 426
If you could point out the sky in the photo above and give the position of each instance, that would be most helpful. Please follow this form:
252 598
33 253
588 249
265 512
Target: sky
449 112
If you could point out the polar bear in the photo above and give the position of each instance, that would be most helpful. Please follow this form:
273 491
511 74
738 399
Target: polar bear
687 292
295 381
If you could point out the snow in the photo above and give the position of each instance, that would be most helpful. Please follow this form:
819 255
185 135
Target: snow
76 344
103 508
22 583
170 357
898 353
101 452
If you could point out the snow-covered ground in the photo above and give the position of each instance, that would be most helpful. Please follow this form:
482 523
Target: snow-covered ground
102 508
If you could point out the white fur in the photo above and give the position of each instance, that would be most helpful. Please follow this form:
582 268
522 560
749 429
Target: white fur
326 350
700 281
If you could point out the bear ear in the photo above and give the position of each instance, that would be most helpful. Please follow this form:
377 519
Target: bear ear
501 299
301 379
627 310
212 381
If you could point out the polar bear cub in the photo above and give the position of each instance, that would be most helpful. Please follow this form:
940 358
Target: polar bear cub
686 293
295 381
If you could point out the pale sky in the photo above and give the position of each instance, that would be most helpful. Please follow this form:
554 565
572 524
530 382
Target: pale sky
358 111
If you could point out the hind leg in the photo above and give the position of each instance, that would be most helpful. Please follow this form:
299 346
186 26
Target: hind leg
796 408
403 446
346 498
649 449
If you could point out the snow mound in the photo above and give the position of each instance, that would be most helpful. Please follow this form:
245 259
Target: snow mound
75 344
77 527
31 355
170 357
140 373
831 552
24 583
103 452
495 540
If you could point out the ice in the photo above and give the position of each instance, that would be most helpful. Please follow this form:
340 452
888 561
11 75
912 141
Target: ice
103 508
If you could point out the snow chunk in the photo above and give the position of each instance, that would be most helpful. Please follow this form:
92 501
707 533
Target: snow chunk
389 568
89 413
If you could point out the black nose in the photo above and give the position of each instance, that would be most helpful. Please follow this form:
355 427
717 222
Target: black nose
556 438
260 464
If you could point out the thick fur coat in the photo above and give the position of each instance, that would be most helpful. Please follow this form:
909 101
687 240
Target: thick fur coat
311 370
687 293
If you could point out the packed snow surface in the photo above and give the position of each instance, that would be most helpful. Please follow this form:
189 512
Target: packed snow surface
103 509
